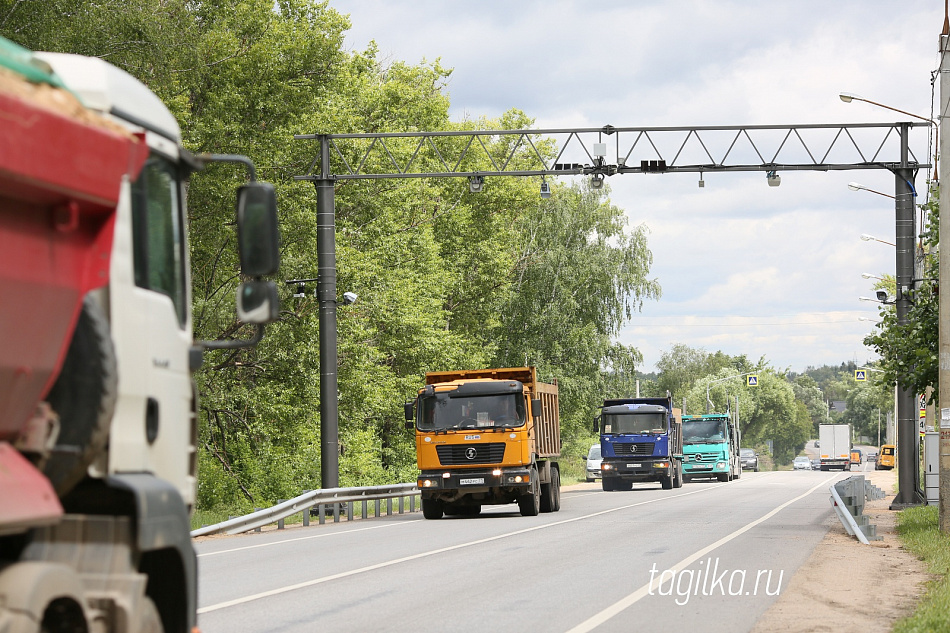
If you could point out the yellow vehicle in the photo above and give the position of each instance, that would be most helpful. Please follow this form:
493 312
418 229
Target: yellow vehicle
856 457
486 436
887 457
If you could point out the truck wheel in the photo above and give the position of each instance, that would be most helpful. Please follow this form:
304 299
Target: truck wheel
667 482
431 508
678 476
723 477
607 483
551 493
83 396
530 502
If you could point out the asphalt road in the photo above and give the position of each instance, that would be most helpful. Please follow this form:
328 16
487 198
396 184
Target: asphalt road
709 556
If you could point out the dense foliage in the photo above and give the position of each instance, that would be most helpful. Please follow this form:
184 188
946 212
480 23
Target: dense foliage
908 351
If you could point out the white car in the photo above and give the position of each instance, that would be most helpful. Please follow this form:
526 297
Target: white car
801 463
593 463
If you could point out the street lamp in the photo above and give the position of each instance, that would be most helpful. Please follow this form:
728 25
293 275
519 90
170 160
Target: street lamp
856 186
847 97
870 276
869 238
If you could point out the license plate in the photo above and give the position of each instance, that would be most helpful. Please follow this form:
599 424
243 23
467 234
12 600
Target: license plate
471 482
634 465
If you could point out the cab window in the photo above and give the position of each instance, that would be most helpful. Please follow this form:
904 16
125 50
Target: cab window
158 234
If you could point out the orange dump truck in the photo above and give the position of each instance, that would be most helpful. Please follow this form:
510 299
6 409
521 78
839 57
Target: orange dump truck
486 436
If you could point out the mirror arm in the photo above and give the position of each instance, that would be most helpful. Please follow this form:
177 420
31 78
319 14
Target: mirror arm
231 158
234 343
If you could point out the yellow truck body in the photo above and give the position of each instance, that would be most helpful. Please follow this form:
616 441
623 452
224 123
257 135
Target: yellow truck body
486 437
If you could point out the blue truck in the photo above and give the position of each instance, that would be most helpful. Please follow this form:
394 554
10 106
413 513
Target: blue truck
641 440
711 447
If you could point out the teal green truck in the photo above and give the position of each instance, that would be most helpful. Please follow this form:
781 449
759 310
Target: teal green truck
711 447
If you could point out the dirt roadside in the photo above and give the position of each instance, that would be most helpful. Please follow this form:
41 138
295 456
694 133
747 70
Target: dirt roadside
846 586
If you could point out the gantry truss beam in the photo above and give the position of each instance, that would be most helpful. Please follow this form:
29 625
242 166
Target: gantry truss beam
612 150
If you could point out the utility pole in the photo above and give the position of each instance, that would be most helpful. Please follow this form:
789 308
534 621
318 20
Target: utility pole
943 299
326 294
908 437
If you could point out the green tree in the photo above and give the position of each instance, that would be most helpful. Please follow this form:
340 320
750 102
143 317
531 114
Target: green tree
682 366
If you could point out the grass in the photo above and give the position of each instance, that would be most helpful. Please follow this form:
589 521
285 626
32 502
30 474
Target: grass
919 532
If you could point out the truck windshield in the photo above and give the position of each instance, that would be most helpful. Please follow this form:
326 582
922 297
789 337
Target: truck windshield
441 412
633 423
703 431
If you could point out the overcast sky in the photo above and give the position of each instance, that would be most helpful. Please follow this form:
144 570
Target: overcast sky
745 268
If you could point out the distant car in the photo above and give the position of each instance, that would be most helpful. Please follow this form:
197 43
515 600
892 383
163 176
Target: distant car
801 463
856 456
872 456
816 464
593 463
749 459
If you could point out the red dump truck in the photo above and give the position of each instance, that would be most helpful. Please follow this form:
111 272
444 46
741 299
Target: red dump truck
98 425
486 436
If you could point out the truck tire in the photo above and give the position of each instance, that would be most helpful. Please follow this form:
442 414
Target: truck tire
667 482
530 502
551 493
678 476
84 397
431 508
608 484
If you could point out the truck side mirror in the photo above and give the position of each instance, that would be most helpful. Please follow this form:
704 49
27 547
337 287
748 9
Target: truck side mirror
597 424
257 302
536 407
408 408
258 234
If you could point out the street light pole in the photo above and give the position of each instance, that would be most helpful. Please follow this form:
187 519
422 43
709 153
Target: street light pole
909 493
326 294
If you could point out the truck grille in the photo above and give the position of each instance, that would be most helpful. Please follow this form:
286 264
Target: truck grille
705 457
461 454
641 448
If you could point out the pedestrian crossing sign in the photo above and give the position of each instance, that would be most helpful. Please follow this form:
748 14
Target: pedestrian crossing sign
860 374
752 380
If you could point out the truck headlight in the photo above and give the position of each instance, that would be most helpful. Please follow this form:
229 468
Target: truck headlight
428 483
606 467
720 464
661 465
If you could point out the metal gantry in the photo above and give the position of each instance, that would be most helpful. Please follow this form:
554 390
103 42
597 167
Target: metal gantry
598 153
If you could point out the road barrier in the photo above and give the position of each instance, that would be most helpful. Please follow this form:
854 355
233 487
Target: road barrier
848 497
330 502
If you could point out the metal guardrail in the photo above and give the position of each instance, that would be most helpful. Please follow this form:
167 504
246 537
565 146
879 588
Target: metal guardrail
848 497
331 501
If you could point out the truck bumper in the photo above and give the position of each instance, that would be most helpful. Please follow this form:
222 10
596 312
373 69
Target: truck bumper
705 470
483 485
650 469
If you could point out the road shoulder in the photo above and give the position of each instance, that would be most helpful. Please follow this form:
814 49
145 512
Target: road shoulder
846 586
